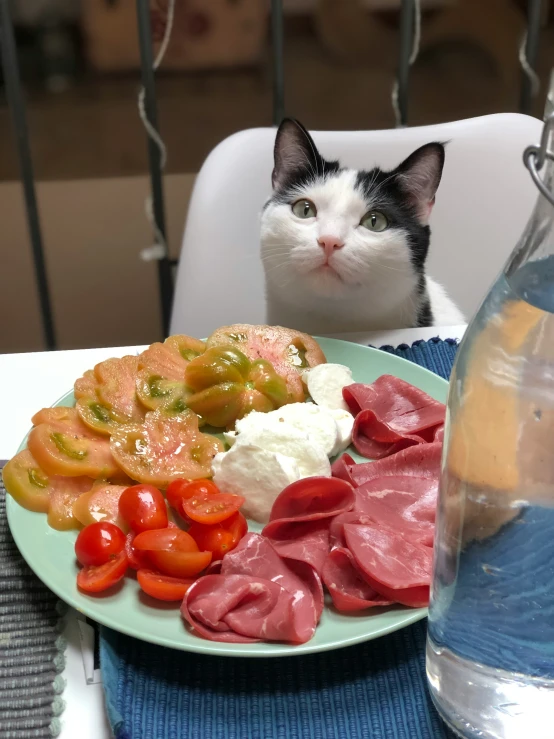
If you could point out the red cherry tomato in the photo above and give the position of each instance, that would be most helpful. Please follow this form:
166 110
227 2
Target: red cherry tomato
219 538
98 543
180 490
162 587
163 540
97 579
137 559
143 507
179 564
212 509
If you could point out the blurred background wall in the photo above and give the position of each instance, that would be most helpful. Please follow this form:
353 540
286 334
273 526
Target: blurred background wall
79 62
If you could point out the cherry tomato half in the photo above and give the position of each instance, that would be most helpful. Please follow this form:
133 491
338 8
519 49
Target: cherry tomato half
162 587
98 543
219 538
212 509
143 507
164 540
97 579
137 559
180 490
179 564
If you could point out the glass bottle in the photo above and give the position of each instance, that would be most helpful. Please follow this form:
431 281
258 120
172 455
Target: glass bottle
490 645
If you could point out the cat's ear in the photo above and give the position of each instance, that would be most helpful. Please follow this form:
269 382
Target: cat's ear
419 177
295 152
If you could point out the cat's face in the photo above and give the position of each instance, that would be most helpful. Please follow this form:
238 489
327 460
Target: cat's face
328 230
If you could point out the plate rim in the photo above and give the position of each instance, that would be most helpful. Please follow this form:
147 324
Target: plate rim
407 616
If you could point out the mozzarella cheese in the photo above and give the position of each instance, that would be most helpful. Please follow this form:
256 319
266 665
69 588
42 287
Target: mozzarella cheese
257 474
325 383
345 424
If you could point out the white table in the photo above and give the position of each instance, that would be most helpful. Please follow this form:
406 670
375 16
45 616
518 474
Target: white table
33 381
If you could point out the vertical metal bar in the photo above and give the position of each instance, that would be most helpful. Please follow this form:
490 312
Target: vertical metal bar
16 105
154 157
534 16
406 42
277 33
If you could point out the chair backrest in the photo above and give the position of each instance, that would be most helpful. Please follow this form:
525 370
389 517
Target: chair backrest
483 202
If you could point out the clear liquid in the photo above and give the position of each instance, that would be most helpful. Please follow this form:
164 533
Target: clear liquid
490 654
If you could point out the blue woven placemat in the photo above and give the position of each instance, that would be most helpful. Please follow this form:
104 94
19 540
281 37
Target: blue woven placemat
375 690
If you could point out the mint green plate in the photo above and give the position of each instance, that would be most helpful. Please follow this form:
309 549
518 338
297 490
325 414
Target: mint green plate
50 555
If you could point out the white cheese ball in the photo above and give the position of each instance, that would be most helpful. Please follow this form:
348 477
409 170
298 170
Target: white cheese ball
325 383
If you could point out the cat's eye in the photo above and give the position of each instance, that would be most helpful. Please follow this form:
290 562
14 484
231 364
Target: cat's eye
304 209
375 221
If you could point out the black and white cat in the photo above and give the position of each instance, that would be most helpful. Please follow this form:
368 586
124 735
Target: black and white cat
344 249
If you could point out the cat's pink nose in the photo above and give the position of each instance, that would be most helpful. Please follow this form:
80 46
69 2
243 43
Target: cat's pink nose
329 244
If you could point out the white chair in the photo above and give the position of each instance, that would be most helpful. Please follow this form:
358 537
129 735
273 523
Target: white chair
483 203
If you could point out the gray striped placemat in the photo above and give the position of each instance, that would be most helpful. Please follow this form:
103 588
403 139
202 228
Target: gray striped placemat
31 647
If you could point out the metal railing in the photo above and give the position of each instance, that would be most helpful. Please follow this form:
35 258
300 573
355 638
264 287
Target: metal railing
16 105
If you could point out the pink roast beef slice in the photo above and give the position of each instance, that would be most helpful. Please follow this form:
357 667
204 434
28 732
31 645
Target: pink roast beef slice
422 460
313 498
391 415
257 596
348 589
394 566
305 541
341 468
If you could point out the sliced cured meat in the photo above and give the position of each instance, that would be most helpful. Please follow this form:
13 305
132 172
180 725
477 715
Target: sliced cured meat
341 468
100 503
240 609
422 460
395 567
313 498
349 591
412 500
289 351
255 556
112 401
164 448
160 378
65 446
305 541
258 595
391 415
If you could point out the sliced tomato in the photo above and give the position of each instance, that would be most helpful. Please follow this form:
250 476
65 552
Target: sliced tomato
67 447
165 448
170 539
98 579
27 483
143 507
86 385
180 490
180 564
137 559
100 503
219 538
58 413
64 492
289 351
163 587
212 509
99 543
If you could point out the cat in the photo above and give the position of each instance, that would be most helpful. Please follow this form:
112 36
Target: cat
344 250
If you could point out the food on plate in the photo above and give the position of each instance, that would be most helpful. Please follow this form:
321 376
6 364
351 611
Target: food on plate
227 386
211 509
100 503
99 543
258 595
325 384
162 587
219 538
331 430
161 371
259 466
27 483
164 448
106 396
391 415
287 350
65 446
142 507
180 490
97 579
